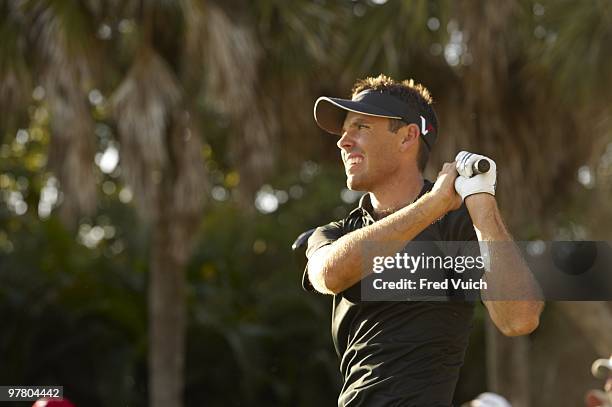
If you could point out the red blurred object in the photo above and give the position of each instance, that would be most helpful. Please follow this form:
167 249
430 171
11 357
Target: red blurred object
596 398
53 403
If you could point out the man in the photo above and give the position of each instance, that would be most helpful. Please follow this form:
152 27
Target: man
405 353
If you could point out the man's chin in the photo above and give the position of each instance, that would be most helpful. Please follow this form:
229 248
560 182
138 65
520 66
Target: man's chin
355 184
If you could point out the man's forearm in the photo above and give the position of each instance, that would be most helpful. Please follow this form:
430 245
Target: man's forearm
343 264
509 276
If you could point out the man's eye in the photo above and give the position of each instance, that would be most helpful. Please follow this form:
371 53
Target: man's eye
362 126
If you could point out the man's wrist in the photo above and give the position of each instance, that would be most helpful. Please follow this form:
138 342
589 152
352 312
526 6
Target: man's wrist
436 207
482 208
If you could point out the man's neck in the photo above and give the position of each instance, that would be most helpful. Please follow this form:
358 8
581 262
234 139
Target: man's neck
396 194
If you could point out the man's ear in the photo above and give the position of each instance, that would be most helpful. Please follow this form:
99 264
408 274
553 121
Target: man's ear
409 136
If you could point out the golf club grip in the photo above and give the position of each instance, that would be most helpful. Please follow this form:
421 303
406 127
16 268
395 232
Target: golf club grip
480 166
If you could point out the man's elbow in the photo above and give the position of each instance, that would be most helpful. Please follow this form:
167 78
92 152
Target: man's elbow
324 282
528 321
333 284
524 326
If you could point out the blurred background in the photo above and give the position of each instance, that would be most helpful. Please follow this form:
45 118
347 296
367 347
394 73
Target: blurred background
158 158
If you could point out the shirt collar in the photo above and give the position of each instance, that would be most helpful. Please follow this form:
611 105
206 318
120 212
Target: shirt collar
366 208
365 202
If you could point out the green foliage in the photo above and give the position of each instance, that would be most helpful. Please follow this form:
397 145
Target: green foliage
76 316
72 317
73 305
584 30
402 33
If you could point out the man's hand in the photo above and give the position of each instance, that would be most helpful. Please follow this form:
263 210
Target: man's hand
444 188
468 184
338 266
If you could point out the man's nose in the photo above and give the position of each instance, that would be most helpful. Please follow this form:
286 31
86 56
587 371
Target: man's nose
345 141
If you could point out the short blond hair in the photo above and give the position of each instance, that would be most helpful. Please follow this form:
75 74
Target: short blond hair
386 83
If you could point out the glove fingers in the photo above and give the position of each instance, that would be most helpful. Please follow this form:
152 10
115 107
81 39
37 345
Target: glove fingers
464 163
460 155
467 184
459 183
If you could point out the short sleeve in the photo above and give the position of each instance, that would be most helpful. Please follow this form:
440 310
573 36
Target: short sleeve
322 236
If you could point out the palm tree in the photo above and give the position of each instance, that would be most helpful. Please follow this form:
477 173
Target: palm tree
160 146
159 62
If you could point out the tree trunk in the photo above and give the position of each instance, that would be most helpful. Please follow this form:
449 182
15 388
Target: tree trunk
167 314
594 320
508 365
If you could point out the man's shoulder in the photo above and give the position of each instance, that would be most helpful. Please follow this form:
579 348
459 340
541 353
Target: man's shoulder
353 220
334 230
333 225
324 235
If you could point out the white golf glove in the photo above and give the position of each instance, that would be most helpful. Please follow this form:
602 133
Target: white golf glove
468 183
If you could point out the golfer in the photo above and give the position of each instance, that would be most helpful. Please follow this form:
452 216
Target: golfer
406 353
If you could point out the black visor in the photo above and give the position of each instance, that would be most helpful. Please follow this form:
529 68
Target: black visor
330 113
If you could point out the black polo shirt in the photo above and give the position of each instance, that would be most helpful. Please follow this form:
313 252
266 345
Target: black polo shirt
402 353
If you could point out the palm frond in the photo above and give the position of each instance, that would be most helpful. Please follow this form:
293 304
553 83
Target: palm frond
72 149
584 31
15 79
298 35
232 54
61 30
56 25
143 105
485 26
254 148
390 36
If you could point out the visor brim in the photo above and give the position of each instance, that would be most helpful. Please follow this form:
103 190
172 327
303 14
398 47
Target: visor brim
329 113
